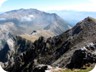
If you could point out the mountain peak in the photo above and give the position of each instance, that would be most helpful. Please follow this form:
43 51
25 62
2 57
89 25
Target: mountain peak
90 19
88 22
22 9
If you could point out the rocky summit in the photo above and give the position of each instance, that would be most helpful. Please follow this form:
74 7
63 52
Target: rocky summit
75 48
28 20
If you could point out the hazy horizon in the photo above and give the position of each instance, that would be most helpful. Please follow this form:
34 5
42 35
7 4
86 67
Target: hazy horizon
48 5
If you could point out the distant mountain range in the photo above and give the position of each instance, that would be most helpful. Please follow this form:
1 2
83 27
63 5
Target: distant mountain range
73 16
32 19
25 21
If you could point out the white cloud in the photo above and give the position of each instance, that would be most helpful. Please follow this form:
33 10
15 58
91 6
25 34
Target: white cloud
28 18
2 1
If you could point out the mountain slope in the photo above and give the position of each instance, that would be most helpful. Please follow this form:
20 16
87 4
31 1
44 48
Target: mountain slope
63 50
73 16
36 34
25 21
59 26
31 19
80 36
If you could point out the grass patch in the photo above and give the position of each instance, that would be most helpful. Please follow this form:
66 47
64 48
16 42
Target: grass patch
78 70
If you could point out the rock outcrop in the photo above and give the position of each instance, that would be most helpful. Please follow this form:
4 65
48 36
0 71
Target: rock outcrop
73 49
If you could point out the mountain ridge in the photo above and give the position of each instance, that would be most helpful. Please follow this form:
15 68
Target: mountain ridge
63 50
25 21
34 18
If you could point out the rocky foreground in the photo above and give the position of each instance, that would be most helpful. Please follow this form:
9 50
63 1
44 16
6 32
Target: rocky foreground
73 49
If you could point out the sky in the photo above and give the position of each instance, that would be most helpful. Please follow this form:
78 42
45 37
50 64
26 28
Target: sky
47 5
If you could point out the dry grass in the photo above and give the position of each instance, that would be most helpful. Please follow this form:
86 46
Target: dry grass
36 35
78 70
29 37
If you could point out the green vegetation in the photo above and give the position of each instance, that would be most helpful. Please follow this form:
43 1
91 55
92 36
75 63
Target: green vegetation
78 70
